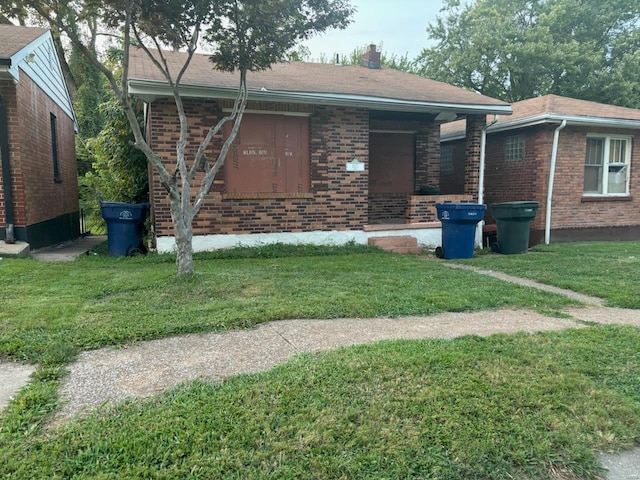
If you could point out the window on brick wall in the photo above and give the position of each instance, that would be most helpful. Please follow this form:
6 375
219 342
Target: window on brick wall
270 155
514 148
606 167
446 159
54 147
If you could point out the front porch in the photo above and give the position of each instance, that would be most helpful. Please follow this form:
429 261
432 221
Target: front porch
405 179
400 210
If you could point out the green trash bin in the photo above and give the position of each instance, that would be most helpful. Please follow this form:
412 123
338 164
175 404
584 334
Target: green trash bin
512 222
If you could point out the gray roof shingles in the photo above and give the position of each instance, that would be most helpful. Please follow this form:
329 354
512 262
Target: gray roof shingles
316 78
13 38
552 105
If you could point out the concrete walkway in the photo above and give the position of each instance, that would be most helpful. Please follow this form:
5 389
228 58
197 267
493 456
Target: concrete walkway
529 283
109 375
68 251
13 376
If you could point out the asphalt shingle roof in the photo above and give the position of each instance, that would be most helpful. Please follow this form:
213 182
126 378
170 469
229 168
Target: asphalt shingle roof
552 105
13 38
301 77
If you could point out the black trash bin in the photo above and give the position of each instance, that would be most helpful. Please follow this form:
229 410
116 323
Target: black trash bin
125 227
459 222
512 222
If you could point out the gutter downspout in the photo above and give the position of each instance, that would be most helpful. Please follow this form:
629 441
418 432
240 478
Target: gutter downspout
483 144
552 174
6 174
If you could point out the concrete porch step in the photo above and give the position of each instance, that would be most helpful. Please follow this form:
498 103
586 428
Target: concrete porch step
396 244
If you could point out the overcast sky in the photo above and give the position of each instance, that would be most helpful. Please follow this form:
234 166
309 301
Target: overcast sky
400 25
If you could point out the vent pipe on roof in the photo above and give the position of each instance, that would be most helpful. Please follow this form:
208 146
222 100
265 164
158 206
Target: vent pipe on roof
371 58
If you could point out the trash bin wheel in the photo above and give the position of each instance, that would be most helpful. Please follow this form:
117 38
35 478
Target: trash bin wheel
439 252
135 251
495 247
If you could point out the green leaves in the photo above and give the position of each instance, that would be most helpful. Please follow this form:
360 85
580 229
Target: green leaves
518 49
251 35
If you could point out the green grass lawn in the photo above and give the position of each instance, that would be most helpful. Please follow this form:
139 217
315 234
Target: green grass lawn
608 270
519 406
50 311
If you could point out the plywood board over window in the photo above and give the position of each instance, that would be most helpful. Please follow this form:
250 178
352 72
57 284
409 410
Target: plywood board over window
391 162
270 155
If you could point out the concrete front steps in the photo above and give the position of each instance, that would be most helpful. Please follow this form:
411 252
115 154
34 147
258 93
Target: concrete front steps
396 244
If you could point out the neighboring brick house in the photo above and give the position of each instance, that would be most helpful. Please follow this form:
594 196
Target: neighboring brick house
38 177
596 189
325 154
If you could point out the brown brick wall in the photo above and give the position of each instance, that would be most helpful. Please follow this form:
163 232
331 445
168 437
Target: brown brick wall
337 201
8 92
475 124
570 208
387 206
522 180
427 157
528 179
422 208
36 196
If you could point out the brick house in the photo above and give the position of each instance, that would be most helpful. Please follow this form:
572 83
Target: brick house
595 193
326 153
38 177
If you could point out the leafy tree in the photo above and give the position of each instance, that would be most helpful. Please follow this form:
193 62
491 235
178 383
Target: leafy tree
119 169
246 35
90 93
518 49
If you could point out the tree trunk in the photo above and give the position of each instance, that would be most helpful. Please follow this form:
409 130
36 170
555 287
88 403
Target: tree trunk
183 234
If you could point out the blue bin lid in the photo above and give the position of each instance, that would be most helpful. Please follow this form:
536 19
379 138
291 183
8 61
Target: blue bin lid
461 211
461 206
124 212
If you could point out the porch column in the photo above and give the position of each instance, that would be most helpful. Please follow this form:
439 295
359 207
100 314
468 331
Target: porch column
475 123
427 157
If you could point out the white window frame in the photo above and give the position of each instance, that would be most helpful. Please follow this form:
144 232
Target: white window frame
514 148
607 164
446 159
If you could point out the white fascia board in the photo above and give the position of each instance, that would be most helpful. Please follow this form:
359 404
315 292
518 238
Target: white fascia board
554 119
574 120
150 90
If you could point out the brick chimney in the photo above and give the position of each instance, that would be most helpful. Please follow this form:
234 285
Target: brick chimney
371 58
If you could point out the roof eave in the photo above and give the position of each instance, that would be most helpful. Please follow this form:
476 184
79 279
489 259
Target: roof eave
575 120
554 119
151 90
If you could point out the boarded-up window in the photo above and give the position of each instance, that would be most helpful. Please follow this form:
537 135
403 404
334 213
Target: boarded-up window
270 155
391 162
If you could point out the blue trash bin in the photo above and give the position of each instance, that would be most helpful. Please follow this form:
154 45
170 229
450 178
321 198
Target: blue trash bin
459 222
125 227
